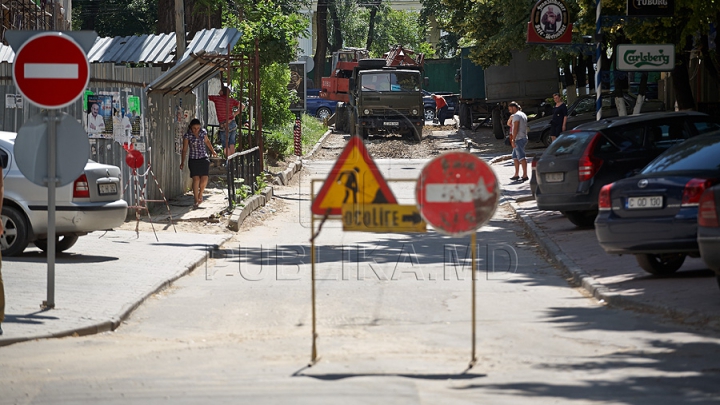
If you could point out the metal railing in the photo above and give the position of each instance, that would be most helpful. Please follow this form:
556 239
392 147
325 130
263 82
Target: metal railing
243 169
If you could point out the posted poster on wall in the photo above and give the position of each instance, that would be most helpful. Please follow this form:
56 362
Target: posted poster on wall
98 116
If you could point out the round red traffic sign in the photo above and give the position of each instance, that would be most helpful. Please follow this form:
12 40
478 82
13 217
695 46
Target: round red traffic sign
51 70
457 193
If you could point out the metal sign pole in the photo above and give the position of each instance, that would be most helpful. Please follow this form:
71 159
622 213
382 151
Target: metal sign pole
313 357
473 267
51 183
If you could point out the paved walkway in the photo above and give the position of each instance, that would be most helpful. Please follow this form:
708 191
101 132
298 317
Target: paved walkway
689 296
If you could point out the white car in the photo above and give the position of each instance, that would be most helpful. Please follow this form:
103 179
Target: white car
92 202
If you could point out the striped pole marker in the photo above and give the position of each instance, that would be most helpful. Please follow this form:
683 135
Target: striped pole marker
598 45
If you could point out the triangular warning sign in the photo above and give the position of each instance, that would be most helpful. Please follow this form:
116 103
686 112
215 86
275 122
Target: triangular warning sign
354 179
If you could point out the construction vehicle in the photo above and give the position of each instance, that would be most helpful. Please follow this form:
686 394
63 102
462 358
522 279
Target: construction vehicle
377 96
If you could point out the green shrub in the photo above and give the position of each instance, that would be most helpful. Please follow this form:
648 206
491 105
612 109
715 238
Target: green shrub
278 145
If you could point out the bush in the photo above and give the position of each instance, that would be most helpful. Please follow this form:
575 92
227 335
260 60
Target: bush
280 142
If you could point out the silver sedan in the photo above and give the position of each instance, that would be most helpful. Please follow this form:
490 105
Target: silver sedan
92 202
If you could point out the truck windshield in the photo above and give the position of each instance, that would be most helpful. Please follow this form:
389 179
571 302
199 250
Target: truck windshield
390 81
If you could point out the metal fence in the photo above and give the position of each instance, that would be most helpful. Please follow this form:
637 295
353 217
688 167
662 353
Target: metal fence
243 169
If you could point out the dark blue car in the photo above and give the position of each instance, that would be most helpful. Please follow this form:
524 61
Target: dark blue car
654 215
319 107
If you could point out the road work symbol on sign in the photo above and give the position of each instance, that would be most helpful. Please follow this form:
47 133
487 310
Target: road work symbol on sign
354 179
457 193
382 218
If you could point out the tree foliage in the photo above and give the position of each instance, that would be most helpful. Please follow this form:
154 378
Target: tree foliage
110 18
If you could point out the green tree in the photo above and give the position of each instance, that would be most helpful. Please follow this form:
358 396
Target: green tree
110 18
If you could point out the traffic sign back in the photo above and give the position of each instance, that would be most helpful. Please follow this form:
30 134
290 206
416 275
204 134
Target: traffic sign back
51 70
457 193
354 179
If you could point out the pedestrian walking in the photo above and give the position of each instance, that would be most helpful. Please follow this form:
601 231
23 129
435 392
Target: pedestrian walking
558 123
196 141
441 108
227 108
518 141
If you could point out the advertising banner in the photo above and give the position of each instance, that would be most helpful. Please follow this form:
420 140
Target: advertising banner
647 58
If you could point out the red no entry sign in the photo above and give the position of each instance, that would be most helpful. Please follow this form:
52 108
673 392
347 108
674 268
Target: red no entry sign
457 193
51 70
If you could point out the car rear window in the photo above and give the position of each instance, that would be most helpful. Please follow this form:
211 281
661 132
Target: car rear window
698 154
570 144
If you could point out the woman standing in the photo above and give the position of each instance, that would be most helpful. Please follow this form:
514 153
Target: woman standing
196 140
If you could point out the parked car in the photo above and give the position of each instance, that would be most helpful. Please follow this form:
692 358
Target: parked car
654 215
92 202
573 169
430 106
584 109
708 234
316 106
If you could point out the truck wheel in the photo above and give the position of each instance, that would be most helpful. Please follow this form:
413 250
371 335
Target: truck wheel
352 124
372 63
498 130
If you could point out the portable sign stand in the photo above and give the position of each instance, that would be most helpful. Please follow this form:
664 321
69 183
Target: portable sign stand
456 193
51 70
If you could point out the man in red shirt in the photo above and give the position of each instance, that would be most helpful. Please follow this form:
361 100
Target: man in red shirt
441 108
227 108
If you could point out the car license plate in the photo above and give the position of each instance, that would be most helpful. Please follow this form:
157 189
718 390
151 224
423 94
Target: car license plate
636 203
554 177
391 123
107 188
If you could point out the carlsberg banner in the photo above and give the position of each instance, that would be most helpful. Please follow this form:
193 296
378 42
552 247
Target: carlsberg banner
648 58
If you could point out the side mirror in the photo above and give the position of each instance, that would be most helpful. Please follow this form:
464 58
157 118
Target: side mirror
426 81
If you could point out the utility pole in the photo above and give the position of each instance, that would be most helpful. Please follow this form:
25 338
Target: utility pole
179 29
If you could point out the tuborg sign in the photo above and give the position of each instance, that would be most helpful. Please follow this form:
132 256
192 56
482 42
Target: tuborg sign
647 58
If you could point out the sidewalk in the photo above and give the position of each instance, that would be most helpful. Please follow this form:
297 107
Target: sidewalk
690 296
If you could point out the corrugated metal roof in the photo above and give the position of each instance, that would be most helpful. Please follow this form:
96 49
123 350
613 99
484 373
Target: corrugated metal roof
156 49
189 73
213 41
6 54
205 56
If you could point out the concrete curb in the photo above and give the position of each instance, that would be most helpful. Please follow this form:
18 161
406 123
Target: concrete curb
318 144
579 278
115 321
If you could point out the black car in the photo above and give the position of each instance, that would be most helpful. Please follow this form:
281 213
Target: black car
583 110
571 172
654 215
708 234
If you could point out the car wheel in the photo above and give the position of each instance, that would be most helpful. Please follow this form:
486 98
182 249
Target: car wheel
545 138
429 114
14 239
323 113
582 219
661 265
62 243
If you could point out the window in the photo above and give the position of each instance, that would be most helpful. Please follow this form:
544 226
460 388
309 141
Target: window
704 126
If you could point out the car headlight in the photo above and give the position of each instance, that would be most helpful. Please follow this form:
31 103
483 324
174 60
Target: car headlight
366 111
414 111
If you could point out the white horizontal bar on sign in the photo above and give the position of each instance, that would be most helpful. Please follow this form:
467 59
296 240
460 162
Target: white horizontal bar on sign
51 71
458 192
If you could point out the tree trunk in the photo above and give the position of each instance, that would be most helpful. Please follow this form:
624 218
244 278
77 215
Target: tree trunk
590 72
571 91
371 29
681 83
642 89
322 41
337 38
196 18
581 75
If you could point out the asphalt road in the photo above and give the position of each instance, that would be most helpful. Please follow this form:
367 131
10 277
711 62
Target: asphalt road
393 318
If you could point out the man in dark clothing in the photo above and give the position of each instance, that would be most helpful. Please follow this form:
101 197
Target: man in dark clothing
558 123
